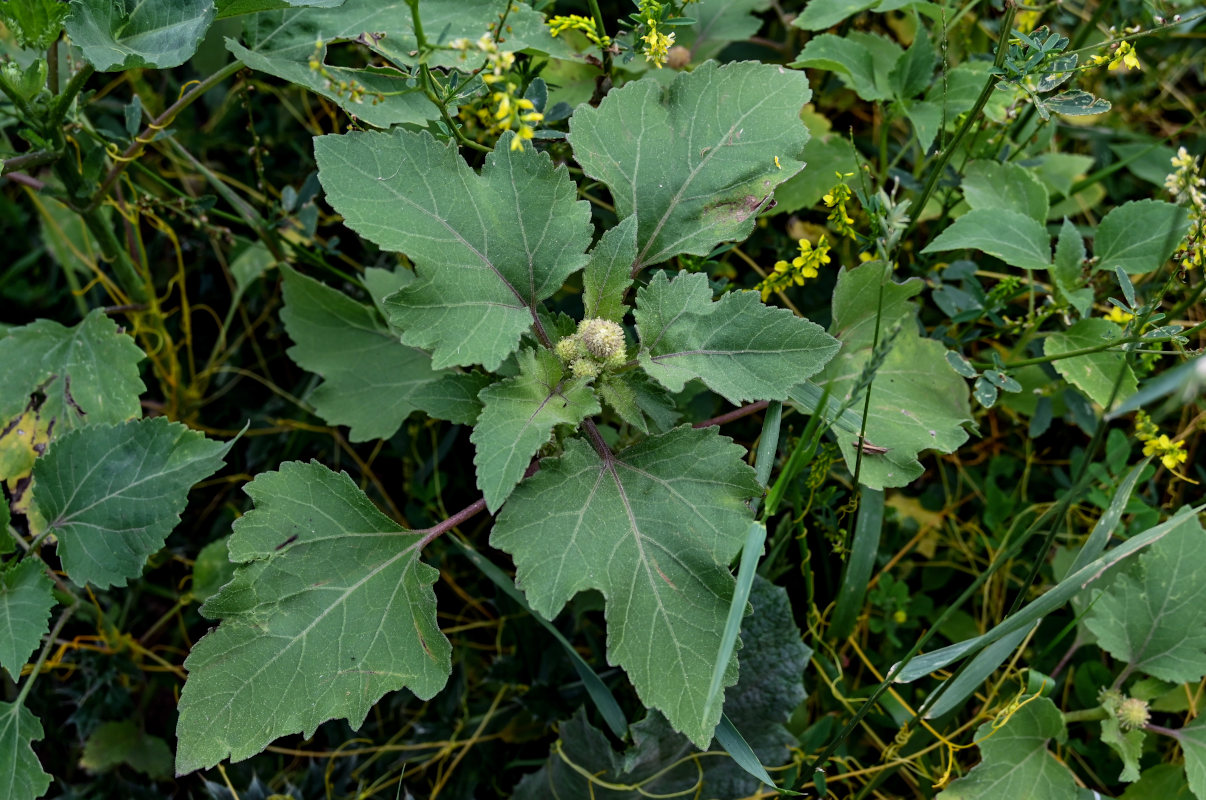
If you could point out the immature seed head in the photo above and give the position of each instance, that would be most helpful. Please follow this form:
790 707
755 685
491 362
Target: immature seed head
1132 713
584 368
569 348
602 338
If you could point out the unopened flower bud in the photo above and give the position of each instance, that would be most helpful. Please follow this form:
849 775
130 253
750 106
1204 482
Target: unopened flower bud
584 368
568 349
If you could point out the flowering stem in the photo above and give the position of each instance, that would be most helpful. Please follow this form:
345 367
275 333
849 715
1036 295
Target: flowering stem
598 17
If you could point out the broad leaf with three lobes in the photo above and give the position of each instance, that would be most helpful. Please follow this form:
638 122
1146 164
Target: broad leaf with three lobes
330 610
1149 617
695 162
519 414
487 247
112 493
741 348
653 528
372 381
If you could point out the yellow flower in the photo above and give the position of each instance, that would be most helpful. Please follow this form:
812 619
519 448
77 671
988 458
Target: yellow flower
657 45
801 268
564 22
1170 453
1116 314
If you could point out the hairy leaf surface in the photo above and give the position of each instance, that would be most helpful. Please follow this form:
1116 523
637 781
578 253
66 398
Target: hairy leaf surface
695 162
1149 616
128 34
25 603
609 273
740 347
330 610
519 414
653 528
21 775
487 248
372 381
112 493
917 401
1016 761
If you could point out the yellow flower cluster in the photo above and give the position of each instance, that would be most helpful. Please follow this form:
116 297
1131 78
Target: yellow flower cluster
839 218
1171 453
657 45
577 22
801 268
1187 186
1123 56
1116 314
506 110
1026 20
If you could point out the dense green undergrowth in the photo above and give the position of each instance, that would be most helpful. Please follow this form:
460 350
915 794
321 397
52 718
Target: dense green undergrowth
707 399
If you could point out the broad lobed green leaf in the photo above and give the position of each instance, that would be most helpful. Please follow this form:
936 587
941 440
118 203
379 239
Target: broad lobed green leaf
1148 617
25 602
112 493
653 528
741 348
1016 760
918 402
21 775
330 610
373 382
487 247
695 162
128 34
519 414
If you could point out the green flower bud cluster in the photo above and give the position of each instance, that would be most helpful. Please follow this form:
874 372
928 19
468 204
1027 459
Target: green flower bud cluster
599 344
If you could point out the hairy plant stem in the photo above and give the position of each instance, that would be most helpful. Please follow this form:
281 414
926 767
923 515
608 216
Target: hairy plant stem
1086 715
